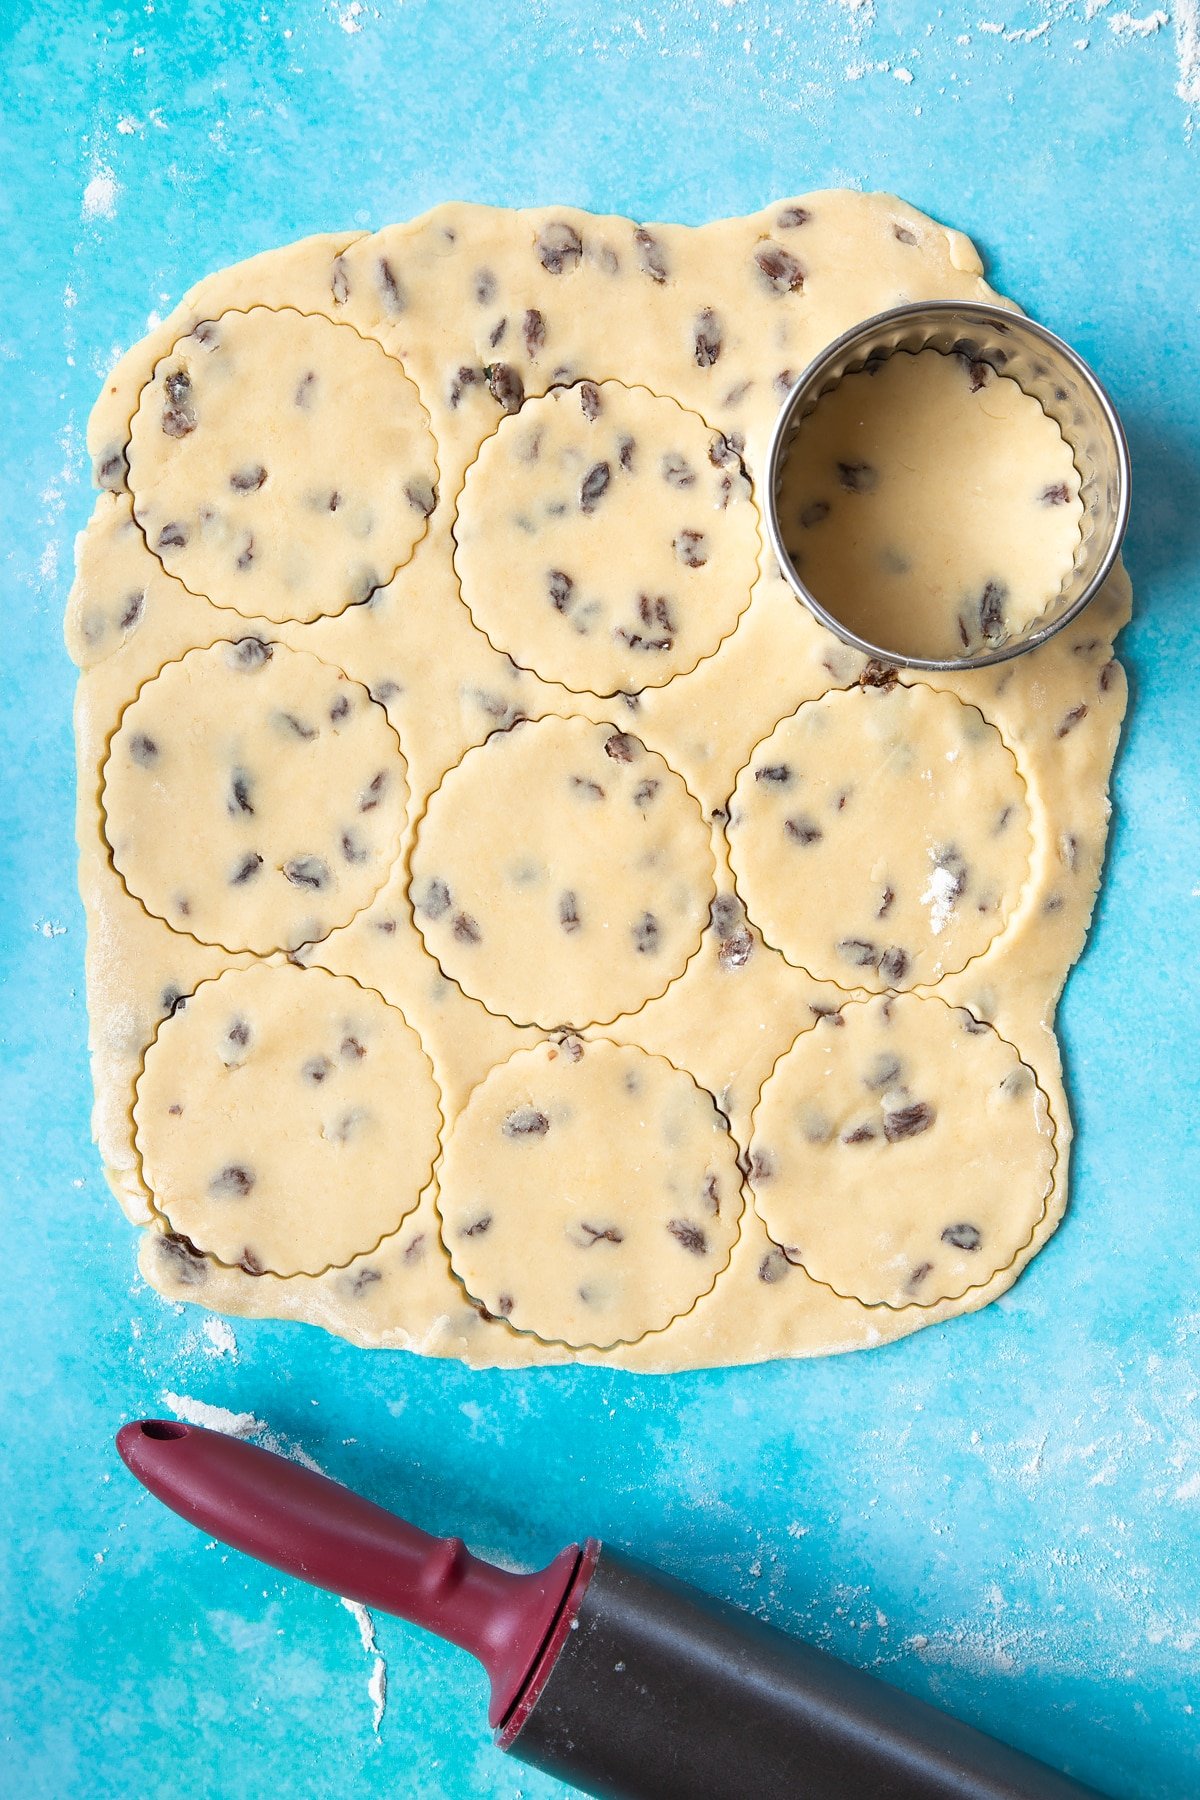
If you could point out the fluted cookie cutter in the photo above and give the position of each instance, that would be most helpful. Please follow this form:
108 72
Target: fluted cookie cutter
1045 368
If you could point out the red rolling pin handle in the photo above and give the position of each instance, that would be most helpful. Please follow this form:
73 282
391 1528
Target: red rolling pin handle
309 1526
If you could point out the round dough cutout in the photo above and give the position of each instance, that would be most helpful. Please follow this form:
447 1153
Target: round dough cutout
287 1119
589 1193
931 505
562 873
606 538
280 464
880 836
254 797
902 1152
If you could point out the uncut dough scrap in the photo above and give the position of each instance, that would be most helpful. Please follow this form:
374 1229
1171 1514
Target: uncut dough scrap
477 313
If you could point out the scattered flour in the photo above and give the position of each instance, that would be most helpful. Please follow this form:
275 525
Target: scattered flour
247 1425
1187 50
939 897
1124 25
377 1681
377 1692
799 70
221 1341
213 1418
100 195
351 17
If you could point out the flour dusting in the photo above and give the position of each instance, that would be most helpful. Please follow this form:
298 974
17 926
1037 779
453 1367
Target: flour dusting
100 195
377 1681
1187 50
939 897
247 1425
377 1692
1123 24
350 18
221 1341
854 40
212 1418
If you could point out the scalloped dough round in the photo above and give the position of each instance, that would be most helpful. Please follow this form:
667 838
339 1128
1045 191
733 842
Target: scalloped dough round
562 873
589 1193
287 1119
930 505
880 836
280 464
902 1152
254 797
606 538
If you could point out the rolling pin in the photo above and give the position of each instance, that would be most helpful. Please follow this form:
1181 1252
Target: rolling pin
604 1672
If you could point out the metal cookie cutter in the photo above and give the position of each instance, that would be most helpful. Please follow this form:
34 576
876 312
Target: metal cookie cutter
1046 369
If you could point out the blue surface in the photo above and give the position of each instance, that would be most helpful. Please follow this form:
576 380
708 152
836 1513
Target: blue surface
1001 1513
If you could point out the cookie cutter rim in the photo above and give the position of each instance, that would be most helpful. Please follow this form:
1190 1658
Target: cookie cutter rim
1101 454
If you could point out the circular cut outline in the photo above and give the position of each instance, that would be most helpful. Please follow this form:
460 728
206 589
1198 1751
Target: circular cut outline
237 1269
415 838
1051 1179
1031 636
554 680
338 324
397 860
519 1331
1008 914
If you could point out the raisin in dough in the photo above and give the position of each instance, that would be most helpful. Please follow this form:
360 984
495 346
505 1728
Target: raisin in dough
931 505
287 1119
254 797
880 836
563 873
902 1152
280 464
589 1193
606 538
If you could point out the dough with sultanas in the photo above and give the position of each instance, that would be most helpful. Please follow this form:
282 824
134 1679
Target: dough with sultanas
979 800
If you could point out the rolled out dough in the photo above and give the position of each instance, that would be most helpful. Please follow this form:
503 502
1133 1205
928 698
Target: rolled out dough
783 836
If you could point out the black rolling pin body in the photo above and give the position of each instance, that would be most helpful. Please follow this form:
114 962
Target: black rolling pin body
660 1693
